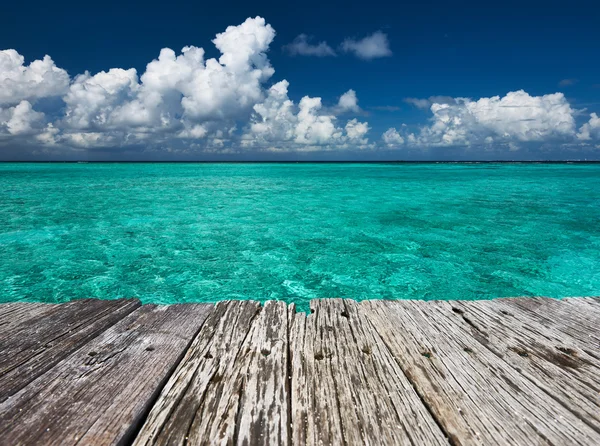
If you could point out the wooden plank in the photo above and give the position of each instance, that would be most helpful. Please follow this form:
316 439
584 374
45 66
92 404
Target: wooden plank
347 387
100 394
477 397
573 317
40 342
591 303
545 356
206 385
264 416
16 313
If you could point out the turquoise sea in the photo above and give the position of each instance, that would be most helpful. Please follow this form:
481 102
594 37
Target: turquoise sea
204 232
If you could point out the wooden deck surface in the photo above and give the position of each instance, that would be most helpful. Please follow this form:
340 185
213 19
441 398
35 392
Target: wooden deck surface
507 371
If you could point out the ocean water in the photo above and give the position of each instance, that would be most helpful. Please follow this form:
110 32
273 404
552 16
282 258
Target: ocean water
205 232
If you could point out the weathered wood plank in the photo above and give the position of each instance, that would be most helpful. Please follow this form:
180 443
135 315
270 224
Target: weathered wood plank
264 416
206 386
475 395
16 313
574 317
40 342
347 387
100 394
545 356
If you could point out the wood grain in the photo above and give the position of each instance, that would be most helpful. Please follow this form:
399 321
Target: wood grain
522 371
14 314
552 360
476 396
206 386
347 387
100 394
43 340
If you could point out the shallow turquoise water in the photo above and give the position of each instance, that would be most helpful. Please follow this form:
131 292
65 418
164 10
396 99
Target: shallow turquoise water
204 232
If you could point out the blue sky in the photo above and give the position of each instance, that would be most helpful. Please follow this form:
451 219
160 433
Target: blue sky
427 76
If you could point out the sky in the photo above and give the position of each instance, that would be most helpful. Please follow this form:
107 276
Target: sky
350 80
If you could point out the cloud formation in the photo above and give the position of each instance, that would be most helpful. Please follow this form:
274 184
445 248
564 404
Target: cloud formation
20 120
392 138
425 104
301 46
184 101
348 102
180 100
371 47
512 119
591 129
277 122
39 79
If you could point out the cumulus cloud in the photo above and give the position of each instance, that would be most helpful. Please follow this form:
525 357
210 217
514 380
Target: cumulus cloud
516 117
185 102
357 131
278 120
371 47
392 138
302 46
20 120
182 96
348 102
18 82
178 90
591 129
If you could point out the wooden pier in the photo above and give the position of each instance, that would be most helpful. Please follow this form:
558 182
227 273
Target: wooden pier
508 371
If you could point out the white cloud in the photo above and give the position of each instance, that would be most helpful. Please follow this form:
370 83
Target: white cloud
591 129
278 121
423 104
516 117
178 86
92 100
348 102
313 127
20 120
357 131
301 46
184 102
392 138
41 78
371 47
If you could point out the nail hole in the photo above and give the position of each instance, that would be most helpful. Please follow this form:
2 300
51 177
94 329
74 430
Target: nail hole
457 310
521 352
319 356
468 350
208 356
427 354
312 311
92 353
150 348
366 349
345 314
567 351
329 328
265 352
